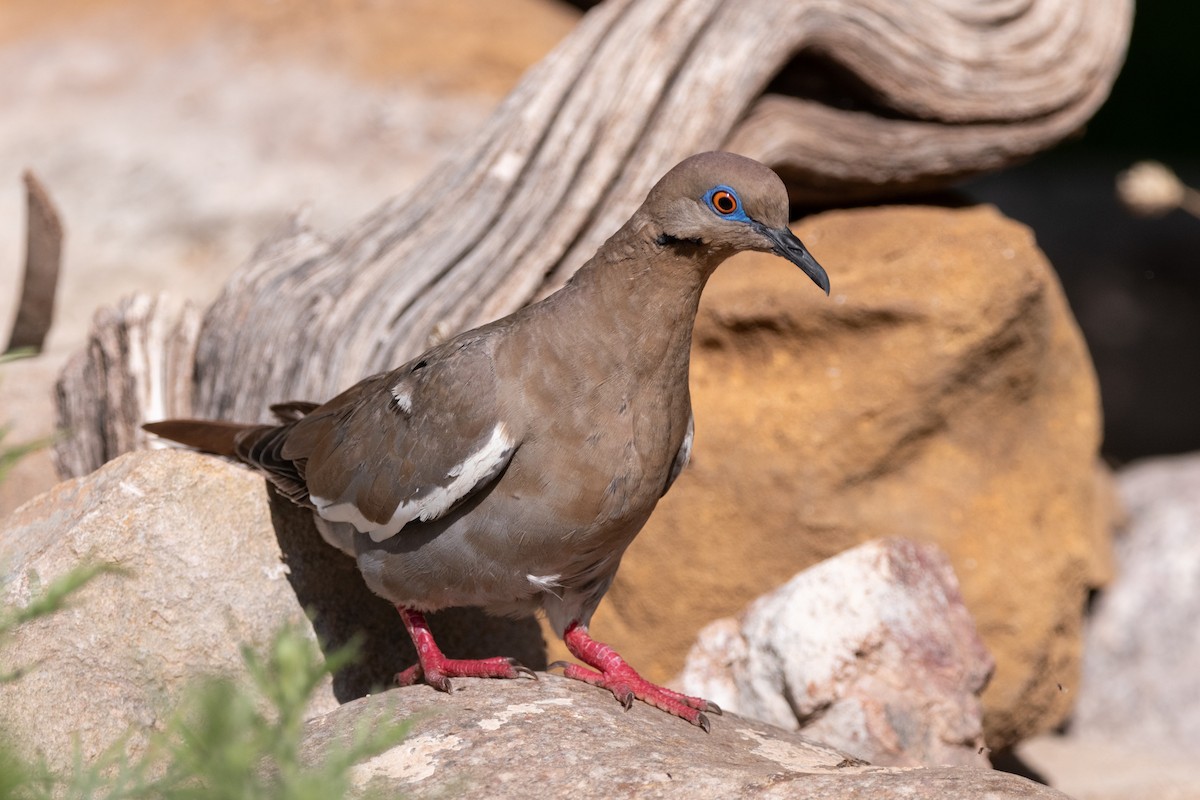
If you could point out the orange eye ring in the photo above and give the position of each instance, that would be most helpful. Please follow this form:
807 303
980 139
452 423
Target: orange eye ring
724 202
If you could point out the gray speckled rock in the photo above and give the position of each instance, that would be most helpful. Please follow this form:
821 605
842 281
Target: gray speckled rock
559 738
213 564
1141 676
872 651
202 579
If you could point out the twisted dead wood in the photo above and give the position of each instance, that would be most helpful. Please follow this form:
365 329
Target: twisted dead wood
43 256
878 97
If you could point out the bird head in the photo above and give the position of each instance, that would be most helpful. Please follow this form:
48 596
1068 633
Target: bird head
726 203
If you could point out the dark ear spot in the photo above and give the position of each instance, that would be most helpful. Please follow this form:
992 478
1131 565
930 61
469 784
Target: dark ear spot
667 240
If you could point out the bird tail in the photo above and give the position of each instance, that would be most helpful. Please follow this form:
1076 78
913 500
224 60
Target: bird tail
209 436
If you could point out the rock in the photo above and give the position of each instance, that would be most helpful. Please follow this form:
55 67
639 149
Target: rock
203 579
871 652
560 738
214 564
1090 769
1141 686
943 393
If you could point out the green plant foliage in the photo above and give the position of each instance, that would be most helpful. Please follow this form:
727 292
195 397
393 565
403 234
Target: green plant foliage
225 741
220 746
21 777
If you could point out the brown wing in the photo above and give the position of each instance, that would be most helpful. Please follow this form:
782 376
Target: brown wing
403 445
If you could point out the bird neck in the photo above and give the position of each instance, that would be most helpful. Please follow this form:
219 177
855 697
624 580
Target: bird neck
641 265
650 293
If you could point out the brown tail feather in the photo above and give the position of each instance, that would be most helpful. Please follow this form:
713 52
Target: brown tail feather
210 436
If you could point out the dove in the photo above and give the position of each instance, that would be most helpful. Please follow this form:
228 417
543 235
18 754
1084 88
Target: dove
510 467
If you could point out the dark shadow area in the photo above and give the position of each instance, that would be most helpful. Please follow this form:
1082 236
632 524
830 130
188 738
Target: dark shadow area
1133 284
813 74
327 583
1008 761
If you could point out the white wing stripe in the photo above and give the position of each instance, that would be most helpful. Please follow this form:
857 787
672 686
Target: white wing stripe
478 467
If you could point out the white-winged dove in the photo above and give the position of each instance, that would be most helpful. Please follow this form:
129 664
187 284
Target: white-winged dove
509 467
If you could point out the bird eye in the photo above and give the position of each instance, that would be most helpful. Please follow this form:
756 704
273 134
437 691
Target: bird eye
724 202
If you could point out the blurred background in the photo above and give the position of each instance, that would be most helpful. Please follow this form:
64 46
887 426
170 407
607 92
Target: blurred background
1133 283
175 136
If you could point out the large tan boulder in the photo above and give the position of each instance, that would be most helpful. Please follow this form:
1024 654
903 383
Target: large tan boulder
943 392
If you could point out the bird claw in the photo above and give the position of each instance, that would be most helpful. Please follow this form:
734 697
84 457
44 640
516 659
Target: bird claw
609 671
410 676
627 686
524 671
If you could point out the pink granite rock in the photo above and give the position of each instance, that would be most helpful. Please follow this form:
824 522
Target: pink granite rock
871 652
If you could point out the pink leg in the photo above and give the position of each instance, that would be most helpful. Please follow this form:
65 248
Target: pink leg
437 670
613 673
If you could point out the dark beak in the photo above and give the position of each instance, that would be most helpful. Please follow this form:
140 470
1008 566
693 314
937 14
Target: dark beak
787 245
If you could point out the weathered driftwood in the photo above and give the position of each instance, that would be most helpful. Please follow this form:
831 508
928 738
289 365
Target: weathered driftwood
43 255
919 94
137 365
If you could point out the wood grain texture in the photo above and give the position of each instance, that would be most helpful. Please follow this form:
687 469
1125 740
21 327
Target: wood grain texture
137 366
43 256
920 95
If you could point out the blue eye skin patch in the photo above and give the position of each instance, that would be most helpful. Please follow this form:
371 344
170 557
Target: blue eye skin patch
738 214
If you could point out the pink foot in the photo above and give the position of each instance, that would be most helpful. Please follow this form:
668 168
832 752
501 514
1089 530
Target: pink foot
614 673
437 670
